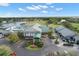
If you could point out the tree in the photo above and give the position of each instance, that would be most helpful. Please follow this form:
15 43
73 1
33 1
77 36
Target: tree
1 21
39 44
20 35
50 34
54 20
13 37
49 21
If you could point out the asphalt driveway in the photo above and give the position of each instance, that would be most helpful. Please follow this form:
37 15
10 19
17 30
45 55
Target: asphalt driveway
20 51
49 46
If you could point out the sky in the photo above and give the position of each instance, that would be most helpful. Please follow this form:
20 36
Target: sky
38 9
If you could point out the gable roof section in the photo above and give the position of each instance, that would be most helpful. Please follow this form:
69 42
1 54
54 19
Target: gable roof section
44 28
30 29
65 32
37 27
59 28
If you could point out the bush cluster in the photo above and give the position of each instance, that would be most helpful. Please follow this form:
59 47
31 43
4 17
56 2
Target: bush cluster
5 50
38 44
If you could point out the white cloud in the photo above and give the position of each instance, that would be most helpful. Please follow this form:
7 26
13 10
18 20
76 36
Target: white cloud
59 9
21 9
4 4
52 6
43 6
33 7
37 7
44 11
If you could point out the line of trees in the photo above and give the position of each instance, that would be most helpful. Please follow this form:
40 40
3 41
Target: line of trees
50 19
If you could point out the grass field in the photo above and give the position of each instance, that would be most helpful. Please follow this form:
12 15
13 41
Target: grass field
42 22
32 49
36 21
54 25
75 25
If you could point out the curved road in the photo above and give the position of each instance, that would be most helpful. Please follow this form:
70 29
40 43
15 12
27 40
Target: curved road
49 46
20 51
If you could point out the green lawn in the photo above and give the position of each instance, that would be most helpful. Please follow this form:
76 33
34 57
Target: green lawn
5 50
76 25
32 49
54 25
36 21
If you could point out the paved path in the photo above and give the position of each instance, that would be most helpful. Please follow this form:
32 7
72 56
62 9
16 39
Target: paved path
3 41
20 51
49 46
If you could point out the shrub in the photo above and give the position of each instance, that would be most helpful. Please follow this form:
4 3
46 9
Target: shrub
33 46
52 37
77 42
13 37
5 50
39 44
28 43
56 41
20 35
50 34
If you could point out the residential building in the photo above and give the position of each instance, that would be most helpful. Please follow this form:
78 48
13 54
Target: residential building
45 29
65 34
30 32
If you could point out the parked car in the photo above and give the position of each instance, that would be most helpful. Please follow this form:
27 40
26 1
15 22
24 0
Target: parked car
68 44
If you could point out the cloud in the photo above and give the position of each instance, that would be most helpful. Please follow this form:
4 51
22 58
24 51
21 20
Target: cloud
37 7
4 4
52 6
44 11
21 9
59 9
33 7
43 6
